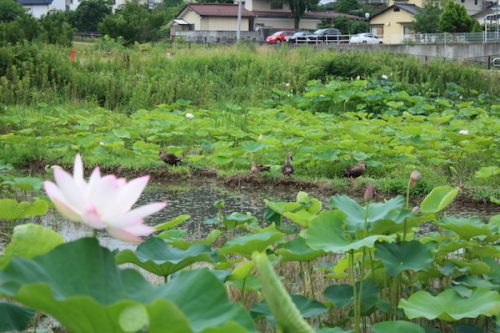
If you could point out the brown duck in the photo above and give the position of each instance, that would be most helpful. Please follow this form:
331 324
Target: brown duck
356 170
287 168
256 168
170 158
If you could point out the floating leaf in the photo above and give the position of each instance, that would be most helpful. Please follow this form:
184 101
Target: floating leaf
449 306
439 198
11 210
403 256
159 258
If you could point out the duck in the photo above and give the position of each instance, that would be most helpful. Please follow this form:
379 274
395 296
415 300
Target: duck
256 168
356 170
170 158
287 168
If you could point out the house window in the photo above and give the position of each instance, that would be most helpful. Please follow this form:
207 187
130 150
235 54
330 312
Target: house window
377 30
475 2
407 30
276 4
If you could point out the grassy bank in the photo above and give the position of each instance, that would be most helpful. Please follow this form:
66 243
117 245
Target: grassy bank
145 76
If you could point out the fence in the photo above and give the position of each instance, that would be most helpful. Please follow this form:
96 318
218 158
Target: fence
448 38
225 37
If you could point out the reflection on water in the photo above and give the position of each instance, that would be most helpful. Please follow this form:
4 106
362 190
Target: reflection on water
197 200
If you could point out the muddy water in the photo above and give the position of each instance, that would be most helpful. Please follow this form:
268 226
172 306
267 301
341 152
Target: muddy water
197 200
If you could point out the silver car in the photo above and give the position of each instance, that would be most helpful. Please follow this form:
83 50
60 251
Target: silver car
365 38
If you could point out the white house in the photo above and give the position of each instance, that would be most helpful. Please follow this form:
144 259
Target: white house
38 8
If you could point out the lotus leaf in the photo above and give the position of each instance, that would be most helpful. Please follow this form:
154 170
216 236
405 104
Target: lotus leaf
236 219
14 317
403 256
327 233
93 295
356 214
468 228
397 327
307 307
297 250
159 258
28 241
11 210
449 306
439 198
342 295
173 223
247 244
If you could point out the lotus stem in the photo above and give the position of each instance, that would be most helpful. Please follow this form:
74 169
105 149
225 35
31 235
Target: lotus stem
282 307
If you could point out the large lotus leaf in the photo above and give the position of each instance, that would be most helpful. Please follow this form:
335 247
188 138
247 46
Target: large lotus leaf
93 294
326 232
14 317
311 204
342 295
297 250
403 256
252 146
341 267
11 210
397 326
396 226
449 306
248 244
439 198
28 241
301 217
373 212
307 307
159 258
467 228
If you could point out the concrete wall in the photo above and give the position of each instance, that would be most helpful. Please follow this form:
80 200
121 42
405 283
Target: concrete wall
223 23
265 5
449 51
393 23
37 11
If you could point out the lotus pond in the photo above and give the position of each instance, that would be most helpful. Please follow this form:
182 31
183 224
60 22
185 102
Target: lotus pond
300 257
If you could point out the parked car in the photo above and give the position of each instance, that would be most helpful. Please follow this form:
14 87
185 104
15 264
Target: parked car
324 36
365 38
279 37
298 37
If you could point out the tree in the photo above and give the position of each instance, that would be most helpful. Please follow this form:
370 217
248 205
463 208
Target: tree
351 7
89 13
10 11
55 28
455 18
427 19
299 7
345 25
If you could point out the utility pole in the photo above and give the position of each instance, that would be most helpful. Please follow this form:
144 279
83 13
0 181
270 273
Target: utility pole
238 28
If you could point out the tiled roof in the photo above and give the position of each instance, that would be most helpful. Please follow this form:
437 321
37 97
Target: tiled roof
227 10
307 15
34 2
412 9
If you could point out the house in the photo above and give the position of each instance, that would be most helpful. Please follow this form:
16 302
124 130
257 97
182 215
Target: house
39 8
256 15
392 23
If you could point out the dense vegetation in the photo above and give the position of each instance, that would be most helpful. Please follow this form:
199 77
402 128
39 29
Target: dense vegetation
378 267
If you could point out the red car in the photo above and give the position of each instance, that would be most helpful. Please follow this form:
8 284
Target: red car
279 37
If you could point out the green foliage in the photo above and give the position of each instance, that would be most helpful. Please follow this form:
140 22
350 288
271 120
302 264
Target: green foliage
14 317
10 11
403 256
450 306
351 7
455 18
56 29
11 210
299 7
345 25
95 296
89 14
28 241
427 19
439 198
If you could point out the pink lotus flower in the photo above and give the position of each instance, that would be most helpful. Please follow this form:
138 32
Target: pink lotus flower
102 202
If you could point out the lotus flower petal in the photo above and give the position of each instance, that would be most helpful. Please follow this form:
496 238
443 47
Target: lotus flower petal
105 202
